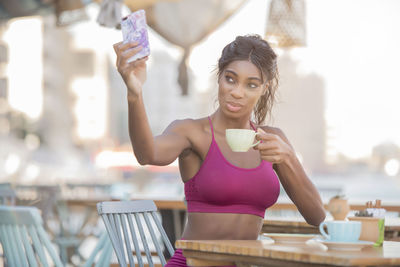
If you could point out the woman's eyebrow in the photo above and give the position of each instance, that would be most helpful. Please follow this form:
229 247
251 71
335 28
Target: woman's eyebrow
250 78
255 78
231 72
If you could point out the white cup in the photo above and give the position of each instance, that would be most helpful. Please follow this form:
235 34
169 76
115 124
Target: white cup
240 140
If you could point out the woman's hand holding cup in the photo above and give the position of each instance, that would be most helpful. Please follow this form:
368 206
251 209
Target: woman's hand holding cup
272 147
133 73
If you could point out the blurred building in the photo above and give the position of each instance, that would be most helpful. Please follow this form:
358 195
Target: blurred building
162 97
386 158
299 112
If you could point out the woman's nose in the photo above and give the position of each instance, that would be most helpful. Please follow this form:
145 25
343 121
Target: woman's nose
237 92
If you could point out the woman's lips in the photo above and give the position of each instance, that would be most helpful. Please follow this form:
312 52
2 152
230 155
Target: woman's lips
233 107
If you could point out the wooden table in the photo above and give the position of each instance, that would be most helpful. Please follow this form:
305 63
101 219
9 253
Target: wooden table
265 253
295 226
395 207
289 225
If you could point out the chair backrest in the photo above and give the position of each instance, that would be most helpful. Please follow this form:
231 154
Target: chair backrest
124 222
24 241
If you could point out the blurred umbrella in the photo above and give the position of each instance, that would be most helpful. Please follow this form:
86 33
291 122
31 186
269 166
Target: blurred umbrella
286 25
66 11
19 8
110 13
111 10
176 23
174 20
70 11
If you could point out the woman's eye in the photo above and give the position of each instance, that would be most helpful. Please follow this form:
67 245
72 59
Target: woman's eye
229 79
253 85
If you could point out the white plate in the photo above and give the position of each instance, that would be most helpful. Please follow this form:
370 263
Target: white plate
346 246
290 238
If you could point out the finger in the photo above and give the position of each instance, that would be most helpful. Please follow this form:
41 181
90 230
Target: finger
266 136
131 52
269 150
273 159
268 146
122 47
142 60
115 46
269 154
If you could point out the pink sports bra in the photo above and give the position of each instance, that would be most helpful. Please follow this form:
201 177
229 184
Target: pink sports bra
221 187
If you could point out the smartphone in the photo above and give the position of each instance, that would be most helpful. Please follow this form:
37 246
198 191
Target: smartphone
134 28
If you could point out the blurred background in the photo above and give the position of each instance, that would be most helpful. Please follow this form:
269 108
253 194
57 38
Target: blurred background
63 107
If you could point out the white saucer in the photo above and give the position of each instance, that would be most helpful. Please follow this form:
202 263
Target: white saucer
346 246
290 238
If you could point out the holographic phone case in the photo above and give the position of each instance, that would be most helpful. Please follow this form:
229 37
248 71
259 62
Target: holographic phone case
134 28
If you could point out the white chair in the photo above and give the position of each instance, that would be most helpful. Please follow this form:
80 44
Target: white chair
124 222
23 238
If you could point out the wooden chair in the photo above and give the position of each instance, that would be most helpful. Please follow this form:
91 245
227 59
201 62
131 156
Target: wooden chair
124 223
23 238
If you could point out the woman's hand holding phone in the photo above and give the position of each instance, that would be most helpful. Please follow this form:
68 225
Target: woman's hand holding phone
133 73
133 52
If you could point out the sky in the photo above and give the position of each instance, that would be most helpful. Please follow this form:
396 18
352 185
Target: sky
353 45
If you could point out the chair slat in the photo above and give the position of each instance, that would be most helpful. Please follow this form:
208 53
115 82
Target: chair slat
105 258
49 247
28 248
20 247
163 234
154 238
36 244
111 219
117 224
116 213
100 245
144 241
127 240
135 241
7 248
113 237
14 246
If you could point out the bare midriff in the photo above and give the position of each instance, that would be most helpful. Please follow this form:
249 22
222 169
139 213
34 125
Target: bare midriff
223 226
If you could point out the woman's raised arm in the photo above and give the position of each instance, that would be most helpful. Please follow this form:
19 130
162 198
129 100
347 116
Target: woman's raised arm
160 150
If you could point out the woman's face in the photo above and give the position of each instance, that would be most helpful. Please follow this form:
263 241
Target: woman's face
240 87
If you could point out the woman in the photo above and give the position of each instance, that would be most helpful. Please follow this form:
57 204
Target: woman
227 193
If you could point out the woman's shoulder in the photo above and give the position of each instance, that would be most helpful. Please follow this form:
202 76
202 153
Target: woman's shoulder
189 124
